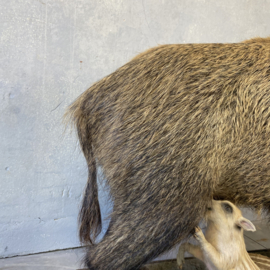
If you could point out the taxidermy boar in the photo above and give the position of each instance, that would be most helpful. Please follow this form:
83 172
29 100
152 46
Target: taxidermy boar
171 129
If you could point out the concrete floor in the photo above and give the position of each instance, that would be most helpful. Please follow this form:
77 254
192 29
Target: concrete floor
71 258
57 260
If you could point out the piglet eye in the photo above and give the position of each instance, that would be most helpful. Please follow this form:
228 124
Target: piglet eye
227 208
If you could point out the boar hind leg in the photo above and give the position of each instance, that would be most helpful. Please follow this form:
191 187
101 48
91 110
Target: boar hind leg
139 234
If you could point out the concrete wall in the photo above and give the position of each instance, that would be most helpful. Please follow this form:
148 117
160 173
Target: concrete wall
51 51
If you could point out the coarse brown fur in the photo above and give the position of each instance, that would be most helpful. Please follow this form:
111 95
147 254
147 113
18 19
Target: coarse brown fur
173 127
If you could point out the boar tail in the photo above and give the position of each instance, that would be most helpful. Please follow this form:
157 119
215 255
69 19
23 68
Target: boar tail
89 217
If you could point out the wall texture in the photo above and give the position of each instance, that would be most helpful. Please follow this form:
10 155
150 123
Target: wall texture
51 51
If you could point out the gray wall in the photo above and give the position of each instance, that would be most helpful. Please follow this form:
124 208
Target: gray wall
51 51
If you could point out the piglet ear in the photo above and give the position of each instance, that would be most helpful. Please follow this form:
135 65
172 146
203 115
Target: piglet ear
246 224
